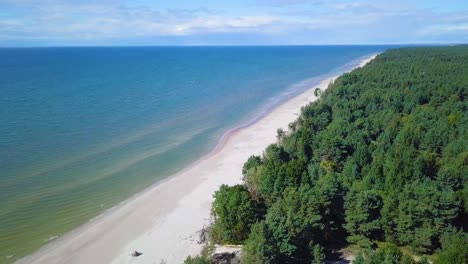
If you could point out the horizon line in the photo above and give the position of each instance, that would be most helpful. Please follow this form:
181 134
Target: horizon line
234 45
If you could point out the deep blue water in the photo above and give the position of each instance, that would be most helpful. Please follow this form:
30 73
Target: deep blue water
81 129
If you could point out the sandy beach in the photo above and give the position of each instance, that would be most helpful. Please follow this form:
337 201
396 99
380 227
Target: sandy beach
163 221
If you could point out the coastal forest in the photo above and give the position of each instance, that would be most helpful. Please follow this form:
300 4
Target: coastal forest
377 166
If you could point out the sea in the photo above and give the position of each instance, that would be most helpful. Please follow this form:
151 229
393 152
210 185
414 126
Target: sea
84 128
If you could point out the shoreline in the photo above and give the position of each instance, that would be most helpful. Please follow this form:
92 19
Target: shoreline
163 220
262 112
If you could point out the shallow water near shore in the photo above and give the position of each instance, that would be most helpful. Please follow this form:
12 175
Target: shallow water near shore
85 128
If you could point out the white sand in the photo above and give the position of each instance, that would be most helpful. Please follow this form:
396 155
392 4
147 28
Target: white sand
163 221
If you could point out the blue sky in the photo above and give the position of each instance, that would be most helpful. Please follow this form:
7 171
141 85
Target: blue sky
239 22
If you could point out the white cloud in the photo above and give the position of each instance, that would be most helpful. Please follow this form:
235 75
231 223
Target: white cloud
209 24
64 20
308 21
448 28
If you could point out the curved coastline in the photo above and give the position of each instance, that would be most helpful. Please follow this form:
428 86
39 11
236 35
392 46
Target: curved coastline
162 220
268 108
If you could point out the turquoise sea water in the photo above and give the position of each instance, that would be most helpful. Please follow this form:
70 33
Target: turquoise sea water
82 129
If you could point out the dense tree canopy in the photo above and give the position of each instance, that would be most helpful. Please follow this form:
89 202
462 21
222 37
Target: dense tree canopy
235 211
381 157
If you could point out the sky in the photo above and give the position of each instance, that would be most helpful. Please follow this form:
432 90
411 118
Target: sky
238 22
